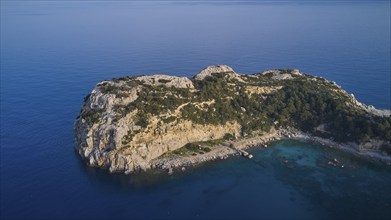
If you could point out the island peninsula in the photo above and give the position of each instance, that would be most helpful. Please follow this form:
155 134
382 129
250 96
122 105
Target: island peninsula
160 121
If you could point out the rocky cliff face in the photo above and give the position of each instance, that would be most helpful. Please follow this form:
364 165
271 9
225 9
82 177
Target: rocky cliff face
126 123
105 138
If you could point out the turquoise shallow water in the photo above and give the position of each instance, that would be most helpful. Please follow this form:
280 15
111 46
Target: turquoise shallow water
54 52
357 190
289 179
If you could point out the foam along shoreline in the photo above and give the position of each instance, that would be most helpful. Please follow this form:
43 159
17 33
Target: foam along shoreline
227 149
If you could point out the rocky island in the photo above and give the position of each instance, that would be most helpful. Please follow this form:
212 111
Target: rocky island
159 121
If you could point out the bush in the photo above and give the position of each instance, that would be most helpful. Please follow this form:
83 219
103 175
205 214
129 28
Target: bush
164 81
229 136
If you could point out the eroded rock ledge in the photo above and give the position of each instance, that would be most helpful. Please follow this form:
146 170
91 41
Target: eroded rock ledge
135 123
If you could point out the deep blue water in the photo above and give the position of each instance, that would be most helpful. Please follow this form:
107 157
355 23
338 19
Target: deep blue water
54 52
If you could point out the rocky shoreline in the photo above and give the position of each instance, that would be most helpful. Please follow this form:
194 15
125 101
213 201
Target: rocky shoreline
349 147
227 149
220 152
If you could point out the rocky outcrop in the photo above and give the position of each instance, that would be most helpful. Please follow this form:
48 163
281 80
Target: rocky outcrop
282 74
104 142
104 148
218 69
168 81
127 124
371 109
96 134
261 90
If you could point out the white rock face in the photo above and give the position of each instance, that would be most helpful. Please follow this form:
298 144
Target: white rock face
166 80
371 109
101 143
95 141
296 72
279 75
223 69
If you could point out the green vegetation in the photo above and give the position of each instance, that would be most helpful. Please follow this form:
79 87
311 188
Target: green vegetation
306 105
195 148
155 100
169 119
229 137
91 116
108 88
304 102
141 120
164 81
127 138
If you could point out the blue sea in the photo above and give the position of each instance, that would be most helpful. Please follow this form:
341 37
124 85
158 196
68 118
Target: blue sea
54 52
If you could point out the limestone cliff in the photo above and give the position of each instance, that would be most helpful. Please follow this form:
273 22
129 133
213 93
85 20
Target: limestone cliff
126 123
